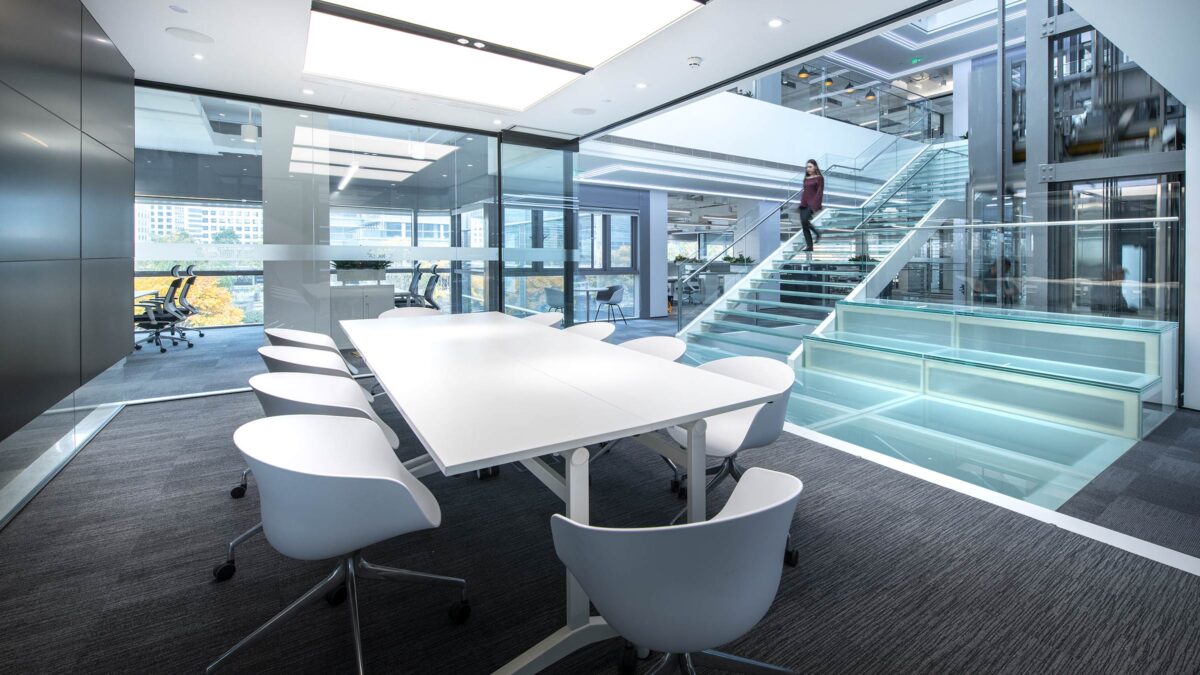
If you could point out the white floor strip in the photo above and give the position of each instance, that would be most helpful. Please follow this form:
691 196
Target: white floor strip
1083 528
22 488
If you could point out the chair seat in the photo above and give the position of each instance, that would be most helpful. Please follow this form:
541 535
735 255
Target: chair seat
724 433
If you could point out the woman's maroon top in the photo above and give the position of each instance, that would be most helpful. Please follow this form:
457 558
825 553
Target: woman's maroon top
814 192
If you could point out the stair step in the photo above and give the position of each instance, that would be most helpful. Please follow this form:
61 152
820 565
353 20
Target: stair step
826 273
812 282
764 330
782 305
798 294
722 337
767 316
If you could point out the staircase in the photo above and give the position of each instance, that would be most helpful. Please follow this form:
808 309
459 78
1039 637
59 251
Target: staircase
770 310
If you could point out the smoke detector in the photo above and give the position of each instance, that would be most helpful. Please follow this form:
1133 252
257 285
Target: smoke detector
694 61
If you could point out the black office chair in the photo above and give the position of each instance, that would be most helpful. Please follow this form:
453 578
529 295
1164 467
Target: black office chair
430 287
609 298
189 310
411 297
160 315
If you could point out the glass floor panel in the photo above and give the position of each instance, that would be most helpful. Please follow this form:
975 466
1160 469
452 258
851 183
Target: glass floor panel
1039 462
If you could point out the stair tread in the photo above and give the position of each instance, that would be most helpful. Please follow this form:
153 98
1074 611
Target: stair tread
719 337
767 316
764 330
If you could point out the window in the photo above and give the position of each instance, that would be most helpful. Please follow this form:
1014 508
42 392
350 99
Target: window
607 242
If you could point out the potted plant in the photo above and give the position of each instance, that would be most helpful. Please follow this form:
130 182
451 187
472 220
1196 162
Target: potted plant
739 263
361 270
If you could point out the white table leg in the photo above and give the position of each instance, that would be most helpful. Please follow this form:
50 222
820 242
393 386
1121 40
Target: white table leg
697 460
582 629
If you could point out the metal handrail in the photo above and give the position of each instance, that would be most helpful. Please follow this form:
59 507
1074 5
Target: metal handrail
1013 225
895 140
899 187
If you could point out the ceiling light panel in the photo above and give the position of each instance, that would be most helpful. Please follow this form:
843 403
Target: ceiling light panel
327 170
380 145
606 28
323 156
359 52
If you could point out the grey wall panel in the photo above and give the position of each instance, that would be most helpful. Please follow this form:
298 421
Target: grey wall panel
107 203
40 52
39 182
39 338
106 311
107 90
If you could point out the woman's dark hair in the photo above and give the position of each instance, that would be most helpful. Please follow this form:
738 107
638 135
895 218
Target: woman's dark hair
815 166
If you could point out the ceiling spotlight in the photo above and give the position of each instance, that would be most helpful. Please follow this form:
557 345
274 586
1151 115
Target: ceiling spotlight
479 45
444 175
870 95
307 92
803 74
198 56
640 85
829 82
775 23
463 41
497 122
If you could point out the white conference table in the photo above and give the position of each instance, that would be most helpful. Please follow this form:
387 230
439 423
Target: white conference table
485 389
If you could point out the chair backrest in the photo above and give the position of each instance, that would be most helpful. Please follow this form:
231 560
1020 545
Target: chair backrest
291 337
596 330
545 318
409 312
172 294
614 295
307 394
414 283
329 486
303 360
431 287
555 298
175 271
763 423
666 347
687 588
188 281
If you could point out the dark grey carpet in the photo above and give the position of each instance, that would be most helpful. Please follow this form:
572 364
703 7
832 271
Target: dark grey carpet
1152 492
108 570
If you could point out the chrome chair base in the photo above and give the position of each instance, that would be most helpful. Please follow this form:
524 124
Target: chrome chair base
348 571
686 664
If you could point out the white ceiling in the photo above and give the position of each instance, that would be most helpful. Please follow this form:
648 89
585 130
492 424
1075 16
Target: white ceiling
259 50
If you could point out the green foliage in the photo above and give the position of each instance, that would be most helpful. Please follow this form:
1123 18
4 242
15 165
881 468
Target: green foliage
361 264
226 236
681 258
739 259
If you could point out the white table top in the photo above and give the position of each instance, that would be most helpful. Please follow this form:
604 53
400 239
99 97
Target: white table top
485 389
140 294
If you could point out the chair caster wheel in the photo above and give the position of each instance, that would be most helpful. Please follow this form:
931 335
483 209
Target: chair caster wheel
224 571
201 334
459 612
675 485
791 557
238 491
682 492
190 345
162 350
337 596
628 659
138 347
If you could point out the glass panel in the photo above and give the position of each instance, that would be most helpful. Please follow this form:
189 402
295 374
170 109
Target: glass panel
620 244
540 211
587 258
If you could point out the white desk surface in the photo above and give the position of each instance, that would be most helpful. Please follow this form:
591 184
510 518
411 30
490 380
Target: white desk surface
140 294
485 389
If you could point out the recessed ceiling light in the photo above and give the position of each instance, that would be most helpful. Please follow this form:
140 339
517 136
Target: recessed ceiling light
198 56
612 26
303 116
444 175
775 23
469 138
497 122
307 92
344 140
364 53
220 114
464 41
640 85
470 166
479 45
177 9
324 156
189 35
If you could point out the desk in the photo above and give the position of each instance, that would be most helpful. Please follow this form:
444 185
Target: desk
482 378
142 294
587 293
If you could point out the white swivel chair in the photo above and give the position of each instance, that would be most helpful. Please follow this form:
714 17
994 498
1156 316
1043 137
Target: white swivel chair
303 360
291 337
545 318
302 394
686 589
592 329
331 486
663 346
409 312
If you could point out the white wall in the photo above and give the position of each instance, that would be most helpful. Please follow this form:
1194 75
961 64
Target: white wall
745 127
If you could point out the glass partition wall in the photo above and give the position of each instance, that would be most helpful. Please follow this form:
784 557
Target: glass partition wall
297 218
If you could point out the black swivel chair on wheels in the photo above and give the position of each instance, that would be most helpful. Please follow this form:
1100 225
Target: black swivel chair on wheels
185 306
161 314
430 287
